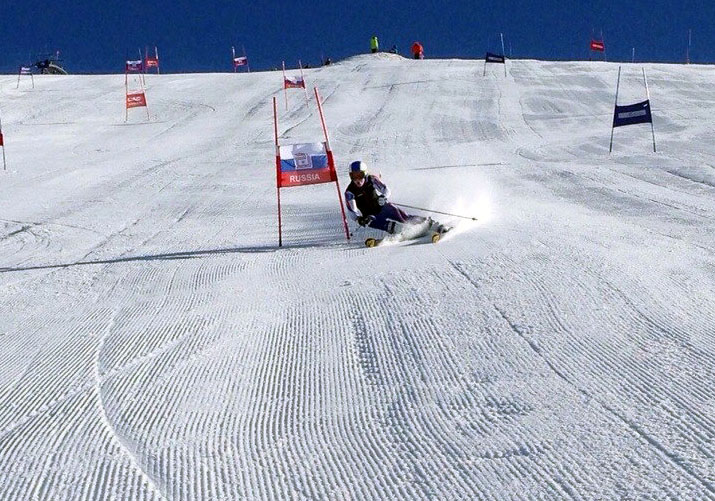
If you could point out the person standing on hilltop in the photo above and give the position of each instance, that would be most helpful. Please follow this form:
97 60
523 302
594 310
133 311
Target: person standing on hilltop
418 51
374 44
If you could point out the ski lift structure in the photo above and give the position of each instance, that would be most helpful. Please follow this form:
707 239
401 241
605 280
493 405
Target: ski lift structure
49 64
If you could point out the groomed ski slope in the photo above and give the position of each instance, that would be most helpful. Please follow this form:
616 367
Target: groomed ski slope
155 343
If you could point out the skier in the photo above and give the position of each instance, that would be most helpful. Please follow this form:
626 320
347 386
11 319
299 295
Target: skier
374 45
418 51
366 198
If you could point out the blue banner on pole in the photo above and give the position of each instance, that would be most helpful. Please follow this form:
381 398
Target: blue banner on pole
494 58
631 114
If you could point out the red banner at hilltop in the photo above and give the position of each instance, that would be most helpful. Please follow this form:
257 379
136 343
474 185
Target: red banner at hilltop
134 66
598 45
239 61
151 61
294 83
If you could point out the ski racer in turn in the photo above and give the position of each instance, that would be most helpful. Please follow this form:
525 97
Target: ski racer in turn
366 198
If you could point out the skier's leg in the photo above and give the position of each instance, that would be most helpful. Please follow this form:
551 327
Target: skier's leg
383 223
401 216
390 211
387 225
389 219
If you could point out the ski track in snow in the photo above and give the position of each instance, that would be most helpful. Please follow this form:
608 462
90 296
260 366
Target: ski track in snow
156 344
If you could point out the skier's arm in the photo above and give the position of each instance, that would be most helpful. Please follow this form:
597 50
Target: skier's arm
380 187
352 206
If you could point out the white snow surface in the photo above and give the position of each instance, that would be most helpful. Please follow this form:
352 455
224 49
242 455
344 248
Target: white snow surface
155 343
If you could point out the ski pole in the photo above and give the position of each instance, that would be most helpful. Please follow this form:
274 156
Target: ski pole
434 211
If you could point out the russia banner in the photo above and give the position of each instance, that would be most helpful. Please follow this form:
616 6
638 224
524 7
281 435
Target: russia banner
152 62
136 99
294 83
598 45
303 164
240 61
494 58
631 114
134 65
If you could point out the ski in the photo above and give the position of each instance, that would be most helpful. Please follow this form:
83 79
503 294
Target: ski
435 237
427 228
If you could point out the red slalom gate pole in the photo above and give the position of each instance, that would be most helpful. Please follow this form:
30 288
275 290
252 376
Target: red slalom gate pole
331 161
278 171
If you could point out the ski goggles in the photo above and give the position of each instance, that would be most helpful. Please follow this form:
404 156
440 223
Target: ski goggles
355 176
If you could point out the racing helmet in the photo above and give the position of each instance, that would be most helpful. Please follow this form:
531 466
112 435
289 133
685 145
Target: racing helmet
358 170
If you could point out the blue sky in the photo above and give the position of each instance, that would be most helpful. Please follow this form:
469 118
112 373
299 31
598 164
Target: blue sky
96 36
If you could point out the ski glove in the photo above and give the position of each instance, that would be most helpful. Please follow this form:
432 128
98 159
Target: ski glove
381 200
365 220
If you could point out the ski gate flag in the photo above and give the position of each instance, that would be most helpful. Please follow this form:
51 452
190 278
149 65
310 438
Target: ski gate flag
151 61
136 99
134 66
494 58
239 61
294 83
305 163
598 46
25 70
632 114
